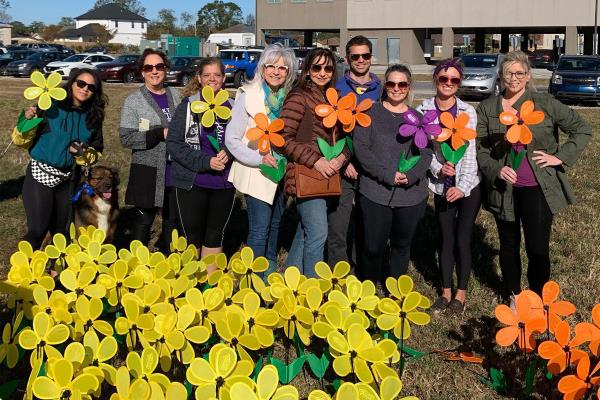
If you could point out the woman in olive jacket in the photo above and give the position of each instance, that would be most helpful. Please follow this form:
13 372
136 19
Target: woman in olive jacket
538 189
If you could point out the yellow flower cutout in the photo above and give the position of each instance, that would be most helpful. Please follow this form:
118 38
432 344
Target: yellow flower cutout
332 279
63 385
45 90
44 335
211 106
127 390
389 389
8 348
397 317
266 388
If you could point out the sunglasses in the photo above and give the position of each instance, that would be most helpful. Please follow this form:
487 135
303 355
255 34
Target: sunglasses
150 67
390 85
276 68
444 80
81 84
365 56
318 68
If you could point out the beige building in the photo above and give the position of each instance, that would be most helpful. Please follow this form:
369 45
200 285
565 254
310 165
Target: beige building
5 34
402 30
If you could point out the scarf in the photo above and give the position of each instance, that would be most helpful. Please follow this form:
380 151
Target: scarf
273 101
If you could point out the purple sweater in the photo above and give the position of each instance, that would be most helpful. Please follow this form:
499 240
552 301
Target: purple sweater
213 179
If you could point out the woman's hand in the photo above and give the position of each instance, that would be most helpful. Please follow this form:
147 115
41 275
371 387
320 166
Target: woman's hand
544 160
222 156
324 167
351 172
400 179
338 162
447 170
508 174
31 112
269 160
165 132
217 164
454 194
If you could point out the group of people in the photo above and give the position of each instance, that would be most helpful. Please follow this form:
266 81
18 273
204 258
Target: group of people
178 167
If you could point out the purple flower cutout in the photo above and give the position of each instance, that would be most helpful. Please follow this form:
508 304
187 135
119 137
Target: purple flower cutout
420 128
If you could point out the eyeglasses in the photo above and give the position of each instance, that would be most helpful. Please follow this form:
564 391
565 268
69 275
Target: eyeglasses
318 68
519 75
276 68
391 85
444 80
365 56
150 67
81 84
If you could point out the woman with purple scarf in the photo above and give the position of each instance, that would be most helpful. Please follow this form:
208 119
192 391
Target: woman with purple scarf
202 196
455 185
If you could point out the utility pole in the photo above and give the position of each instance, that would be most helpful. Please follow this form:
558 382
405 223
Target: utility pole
595 49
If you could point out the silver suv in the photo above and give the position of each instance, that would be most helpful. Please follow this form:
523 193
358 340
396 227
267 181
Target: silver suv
481 74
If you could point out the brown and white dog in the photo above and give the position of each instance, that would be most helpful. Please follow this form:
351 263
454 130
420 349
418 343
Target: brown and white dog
96 201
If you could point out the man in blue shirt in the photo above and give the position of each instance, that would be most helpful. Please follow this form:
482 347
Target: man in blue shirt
364 84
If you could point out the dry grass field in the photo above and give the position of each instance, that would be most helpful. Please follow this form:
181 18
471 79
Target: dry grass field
575 256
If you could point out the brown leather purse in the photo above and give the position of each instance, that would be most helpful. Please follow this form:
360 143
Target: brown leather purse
309 181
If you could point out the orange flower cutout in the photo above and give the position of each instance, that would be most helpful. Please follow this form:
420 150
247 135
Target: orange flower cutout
455 129
358 114
575 387
592 330
337 109
266 133
519 130
465 356
552 309
562 353
521 325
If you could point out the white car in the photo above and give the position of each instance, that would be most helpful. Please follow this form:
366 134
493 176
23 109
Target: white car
83 60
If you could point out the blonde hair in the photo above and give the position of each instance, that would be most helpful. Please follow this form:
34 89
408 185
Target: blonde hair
193 85
515 57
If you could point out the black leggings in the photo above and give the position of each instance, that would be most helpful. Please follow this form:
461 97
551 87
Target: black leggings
202 214
532 211
456 224
144 218
398 224
47 209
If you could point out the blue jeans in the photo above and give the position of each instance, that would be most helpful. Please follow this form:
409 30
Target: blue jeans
263 227
308 246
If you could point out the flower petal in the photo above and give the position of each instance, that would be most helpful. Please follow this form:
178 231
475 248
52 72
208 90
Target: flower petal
33 92
513 135
330 120
276 125
223 112
208 94
526 135
208 119
363 120
221 97
45 388
322 110
507 336
348 102
276 139
198 107
58 94
508 118
332 96
407 130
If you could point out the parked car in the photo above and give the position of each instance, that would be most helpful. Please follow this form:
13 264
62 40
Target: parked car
542 58
3 50
481 75
183 68
83 60
35 62
13 55
240 64
38 46
124 68
97 49
300 52
576 78
64 49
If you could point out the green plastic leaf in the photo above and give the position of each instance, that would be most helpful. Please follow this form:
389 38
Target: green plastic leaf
350 144
336 384
530 376
516 158
325 149
8 389
189 388
412 352
215 143
453 156
549 375
405 165
257 367
287 373
317 365
274 174
498 380
299 344
338 148
25 125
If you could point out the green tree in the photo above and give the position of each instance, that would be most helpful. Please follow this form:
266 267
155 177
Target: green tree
51 32
250 20
132 5
66 21
164 23
36 26
217 16
4 6
103 35
186 24
19 28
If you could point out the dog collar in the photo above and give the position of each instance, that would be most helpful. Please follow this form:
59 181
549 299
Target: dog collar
84 188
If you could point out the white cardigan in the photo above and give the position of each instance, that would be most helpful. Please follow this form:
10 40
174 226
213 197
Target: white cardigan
244 173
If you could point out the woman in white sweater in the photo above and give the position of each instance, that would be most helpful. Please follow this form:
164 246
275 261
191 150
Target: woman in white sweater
275 73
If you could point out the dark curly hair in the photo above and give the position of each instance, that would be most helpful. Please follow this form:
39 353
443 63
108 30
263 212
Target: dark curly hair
95 105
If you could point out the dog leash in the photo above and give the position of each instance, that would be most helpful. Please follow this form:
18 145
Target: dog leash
84 188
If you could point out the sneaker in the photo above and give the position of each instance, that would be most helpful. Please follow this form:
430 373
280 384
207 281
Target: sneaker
456 307
440 304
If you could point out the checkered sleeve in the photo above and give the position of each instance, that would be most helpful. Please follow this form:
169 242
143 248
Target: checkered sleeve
468 175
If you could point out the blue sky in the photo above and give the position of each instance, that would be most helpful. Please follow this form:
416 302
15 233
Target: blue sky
50 11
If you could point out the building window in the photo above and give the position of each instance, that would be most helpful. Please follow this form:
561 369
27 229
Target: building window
393 50
273 1
132 24
324 1
298 1
374 43
116 24
143 25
